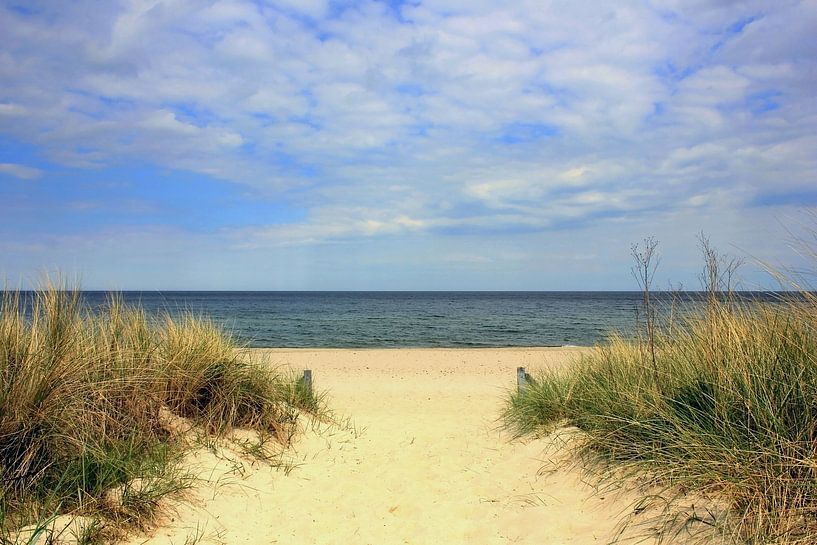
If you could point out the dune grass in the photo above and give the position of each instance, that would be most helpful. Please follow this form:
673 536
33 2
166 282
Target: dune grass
728 407
82 398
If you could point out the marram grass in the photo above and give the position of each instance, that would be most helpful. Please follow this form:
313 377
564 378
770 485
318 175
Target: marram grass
729 408
82 395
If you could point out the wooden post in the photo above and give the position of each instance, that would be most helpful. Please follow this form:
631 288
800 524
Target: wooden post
521 379
308 380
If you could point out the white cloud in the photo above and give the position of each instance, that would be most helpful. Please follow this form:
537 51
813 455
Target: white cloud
486 115
20 171
8 109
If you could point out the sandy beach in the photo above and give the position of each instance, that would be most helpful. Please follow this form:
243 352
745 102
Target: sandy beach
418 459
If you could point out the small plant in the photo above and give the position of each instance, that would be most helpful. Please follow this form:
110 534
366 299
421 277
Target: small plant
646 263
195 537
719 272
93 532
302 396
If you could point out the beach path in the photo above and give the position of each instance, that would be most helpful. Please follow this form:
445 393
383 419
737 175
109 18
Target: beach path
419 461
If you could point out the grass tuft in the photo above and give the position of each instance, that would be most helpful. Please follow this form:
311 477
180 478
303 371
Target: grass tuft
84 398
727 407
720 403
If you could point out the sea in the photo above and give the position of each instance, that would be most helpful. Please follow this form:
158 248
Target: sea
406 319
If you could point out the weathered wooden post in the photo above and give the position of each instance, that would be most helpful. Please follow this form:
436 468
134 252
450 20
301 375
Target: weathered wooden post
521 379
308 380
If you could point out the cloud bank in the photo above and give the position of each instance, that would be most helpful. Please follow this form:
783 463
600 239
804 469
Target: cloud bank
490 126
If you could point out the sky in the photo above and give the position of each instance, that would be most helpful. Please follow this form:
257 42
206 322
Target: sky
421 145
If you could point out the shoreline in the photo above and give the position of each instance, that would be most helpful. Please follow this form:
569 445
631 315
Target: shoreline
419 348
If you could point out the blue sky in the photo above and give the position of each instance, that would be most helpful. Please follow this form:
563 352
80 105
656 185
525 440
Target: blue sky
446 144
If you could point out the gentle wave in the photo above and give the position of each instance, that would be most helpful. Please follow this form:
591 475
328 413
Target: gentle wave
406 319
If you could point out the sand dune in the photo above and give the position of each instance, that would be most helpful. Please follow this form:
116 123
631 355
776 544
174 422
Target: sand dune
420 461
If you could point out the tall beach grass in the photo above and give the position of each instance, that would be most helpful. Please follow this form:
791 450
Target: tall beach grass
85 399
723 404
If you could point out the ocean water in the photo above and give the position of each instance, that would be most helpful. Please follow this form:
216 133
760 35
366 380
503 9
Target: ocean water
405 319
